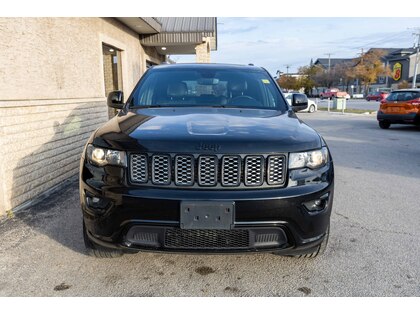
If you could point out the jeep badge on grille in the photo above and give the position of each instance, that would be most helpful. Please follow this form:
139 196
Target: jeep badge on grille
208 147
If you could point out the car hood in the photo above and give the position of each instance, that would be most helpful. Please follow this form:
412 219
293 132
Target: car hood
210 130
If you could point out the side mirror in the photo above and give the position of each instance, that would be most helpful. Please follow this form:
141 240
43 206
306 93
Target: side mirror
116 99
299 102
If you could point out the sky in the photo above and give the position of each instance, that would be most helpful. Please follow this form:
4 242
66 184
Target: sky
273 43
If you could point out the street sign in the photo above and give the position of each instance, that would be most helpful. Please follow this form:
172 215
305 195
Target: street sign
396 71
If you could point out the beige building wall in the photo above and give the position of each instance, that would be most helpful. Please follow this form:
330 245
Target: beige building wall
52 96
202 51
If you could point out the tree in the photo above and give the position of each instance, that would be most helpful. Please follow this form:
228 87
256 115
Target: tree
342 76
308 77
369 67
288 82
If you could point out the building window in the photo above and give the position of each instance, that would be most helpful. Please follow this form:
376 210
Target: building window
112 72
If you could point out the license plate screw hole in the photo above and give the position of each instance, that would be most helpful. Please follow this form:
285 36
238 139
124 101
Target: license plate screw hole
196 218
227 210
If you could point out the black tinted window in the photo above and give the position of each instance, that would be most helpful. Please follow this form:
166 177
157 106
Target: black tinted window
208 87
403 96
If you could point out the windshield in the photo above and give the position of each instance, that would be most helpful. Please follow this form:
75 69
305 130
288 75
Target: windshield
207 87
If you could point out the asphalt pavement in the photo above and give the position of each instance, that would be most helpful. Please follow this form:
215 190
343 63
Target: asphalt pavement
373 248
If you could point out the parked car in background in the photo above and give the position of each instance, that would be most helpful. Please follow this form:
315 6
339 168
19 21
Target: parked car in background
311 108
400 107
377 96
331 93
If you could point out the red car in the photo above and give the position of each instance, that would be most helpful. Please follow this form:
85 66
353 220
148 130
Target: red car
377 96
332 93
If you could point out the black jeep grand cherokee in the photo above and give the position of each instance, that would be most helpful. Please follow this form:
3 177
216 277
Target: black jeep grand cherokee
206 158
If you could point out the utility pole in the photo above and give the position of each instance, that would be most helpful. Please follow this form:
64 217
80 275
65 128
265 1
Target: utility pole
361 56
329 69
357 79
416 65
329 61
287 68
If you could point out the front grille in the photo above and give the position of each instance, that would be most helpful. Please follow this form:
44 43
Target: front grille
231 170
206 239
184 170
208 171
138 166
161 166
275 170
254 170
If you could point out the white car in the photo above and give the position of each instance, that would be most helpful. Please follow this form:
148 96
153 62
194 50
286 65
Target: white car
312 106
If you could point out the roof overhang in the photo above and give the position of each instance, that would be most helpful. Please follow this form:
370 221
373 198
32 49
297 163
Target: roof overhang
174 35
178 43
142 25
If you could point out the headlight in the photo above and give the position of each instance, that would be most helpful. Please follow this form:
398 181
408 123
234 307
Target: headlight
311 159
102 157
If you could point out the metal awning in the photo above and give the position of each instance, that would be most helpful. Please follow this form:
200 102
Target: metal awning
174 35
142 25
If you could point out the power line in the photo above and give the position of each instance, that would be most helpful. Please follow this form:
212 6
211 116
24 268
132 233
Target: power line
381 40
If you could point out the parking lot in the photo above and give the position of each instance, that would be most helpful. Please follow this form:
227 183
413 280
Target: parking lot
373 248
351 104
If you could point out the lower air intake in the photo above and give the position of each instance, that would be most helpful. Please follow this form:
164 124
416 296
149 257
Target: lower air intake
206 239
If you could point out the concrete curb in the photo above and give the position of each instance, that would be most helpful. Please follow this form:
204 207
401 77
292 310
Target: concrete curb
350 114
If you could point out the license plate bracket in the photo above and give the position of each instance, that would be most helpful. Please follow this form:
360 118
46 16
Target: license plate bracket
212 215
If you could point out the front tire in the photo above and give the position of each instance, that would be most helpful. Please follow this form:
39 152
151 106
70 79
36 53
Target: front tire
384 124
99 251
311 108
320 249
317 251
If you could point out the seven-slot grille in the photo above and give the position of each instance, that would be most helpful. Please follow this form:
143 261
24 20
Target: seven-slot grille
254 170
184 170
161 169
275 170
208 170
231 170
138 164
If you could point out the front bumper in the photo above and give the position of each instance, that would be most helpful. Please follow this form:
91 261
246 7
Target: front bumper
141 218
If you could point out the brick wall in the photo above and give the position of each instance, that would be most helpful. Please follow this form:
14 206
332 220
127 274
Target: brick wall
52 96
41 145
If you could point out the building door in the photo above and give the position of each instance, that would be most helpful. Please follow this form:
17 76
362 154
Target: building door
112 72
